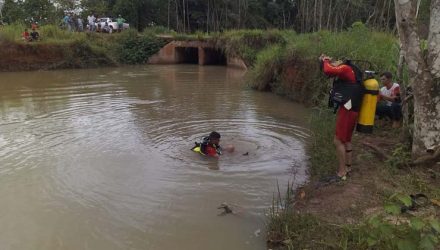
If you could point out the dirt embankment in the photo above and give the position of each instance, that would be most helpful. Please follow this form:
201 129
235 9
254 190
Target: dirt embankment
39 56
370 184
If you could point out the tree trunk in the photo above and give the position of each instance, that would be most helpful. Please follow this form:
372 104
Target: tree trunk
207 19
329 14
424 73
177 16
168 23
184 16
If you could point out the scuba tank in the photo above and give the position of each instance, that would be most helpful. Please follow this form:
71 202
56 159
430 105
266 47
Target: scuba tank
362 93
368 108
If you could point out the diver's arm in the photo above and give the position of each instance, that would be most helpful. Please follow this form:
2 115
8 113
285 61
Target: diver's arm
332 70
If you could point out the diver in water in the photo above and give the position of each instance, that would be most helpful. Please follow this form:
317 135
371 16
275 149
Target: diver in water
210 146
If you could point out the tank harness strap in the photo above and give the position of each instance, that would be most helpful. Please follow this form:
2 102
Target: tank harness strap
335 109
371 92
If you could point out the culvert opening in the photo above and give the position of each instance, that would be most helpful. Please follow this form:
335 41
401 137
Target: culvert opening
214 57
187 55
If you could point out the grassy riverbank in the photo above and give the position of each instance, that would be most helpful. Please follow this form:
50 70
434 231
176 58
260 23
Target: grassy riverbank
365 211
61 49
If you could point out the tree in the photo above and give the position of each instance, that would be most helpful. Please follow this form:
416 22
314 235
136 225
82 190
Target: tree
424 76
13 11
39 10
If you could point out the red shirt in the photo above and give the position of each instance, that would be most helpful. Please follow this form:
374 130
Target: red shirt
210 150
25 35
343 72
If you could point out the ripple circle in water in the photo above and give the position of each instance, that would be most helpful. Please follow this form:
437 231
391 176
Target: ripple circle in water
101 159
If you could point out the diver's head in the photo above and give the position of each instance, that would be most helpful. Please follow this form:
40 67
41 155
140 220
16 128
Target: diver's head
336 62
214 137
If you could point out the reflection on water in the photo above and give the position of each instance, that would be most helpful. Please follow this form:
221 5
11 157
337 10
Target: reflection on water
100 159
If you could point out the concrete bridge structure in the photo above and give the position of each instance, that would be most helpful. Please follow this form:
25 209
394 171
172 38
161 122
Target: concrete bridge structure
194 52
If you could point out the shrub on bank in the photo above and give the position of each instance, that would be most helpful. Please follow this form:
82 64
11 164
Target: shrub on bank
134 48
246 44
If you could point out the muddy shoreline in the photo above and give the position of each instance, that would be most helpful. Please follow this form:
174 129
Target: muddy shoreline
40 56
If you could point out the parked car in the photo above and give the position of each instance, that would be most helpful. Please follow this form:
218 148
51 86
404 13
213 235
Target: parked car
112 24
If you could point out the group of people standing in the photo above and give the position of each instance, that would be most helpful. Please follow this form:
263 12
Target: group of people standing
73 23
76 23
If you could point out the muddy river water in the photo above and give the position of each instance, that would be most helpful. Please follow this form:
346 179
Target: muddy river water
100 159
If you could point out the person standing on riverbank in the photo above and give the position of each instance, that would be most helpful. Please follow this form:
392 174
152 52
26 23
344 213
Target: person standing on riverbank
91 21
389 100
120 22
347 113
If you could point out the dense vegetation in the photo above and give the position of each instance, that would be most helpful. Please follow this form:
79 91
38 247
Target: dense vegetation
290 67
218 15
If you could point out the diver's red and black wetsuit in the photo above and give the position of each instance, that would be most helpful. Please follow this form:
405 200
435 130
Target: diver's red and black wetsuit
345 119
210 150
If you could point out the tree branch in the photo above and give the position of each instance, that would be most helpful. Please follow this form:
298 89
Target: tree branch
431 157
379 152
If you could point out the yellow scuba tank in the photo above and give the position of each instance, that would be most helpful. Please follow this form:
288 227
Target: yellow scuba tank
368 106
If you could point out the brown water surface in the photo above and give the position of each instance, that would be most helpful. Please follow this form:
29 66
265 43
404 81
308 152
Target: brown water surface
100 159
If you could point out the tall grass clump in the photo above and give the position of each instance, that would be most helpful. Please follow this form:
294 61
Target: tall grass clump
266 73
11 33
53 34
302 52
157 30
359 43
288 229
322 151
246 44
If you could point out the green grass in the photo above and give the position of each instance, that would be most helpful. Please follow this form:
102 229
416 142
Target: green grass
11 33
321 148
289 229
311 87
246 44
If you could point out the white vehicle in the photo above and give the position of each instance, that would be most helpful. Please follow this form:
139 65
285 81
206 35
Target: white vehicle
112 24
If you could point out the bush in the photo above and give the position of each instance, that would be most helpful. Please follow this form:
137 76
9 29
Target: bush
400 157
246 43
136 49
265 72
